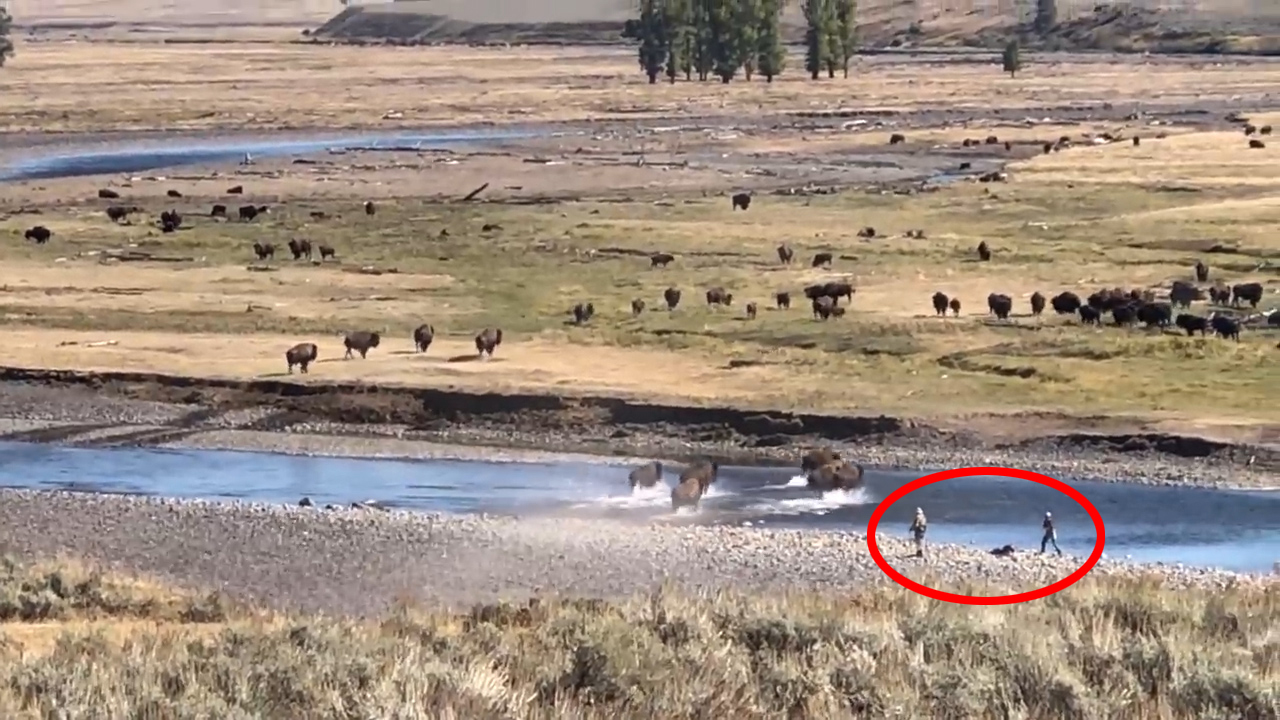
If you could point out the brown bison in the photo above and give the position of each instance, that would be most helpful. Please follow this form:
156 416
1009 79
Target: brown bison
741 200
672 296
235 190
488 340
1257 145
660 259
751 311
637 306
984 252
422 337
646 476
1037 303
264 250
1202 271
955 306
823 307
302 355
362 341
693 484
896 138
838 475
300 249
327 251
719 296
783 300
820 259
785 254
818 457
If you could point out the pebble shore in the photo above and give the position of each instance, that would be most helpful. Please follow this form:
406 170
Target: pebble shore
361 561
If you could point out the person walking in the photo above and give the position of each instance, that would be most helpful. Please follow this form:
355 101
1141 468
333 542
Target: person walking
1050 535
917 529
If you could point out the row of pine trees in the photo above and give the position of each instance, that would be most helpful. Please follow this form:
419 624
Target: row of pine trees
683 38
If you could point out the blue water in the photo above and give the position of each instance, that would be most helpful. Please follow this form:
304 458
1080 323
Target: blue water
1230 529
178 152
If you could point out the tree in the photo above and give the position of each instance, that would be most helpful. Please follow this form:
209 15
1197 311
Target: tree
819 17
746 25
1046 15
726 59
6 45
1012 59
771 56
652 34
678 20
847 24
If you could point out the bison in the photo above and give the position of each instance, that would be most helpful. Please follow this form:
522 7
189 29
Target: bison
820 259
327 251
1124 315
823 307
896 138
741 200
1000 304
369 207
1037 303
660 259
1225 327
264 250
867 232
1184 293
1137 141
302 355
583 312
1220 295
106 194
488 340
1264 130
940 303
1155 314
783 300
693 484
248 212
1090 315
751 311
174 194
838 475
1257 145
1202 271
300 249
1252 292
646 476
218 211
818 457
993 140
39 234
1065 303
637 306
235 190
362 341
1191 323
955 306
672 297
718 296
785 254
118 212
422 336
984 252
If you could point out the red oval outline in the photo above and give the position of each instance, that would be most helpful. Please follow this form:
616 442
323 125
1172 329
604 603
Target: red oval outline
958 599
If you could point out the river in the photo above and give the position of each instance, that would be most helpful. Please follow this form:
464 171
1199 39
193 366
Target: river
1235 530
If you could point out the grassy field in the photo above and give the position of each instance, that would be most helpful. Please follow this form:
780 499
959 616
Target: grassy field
72 639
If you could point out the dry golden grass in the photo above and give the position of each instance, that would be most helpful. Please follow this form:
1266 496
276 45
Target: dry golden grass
1104 648
97 87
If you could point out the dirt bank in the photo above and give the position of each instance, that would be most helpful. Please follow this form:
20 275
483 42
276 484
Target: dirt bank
69 404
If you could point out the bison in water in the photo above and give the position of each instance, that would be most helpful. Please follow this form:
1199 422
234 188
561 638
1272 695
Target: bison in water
646 476
488 340
837 475
422 337
362 341
693 484
818 457
302 355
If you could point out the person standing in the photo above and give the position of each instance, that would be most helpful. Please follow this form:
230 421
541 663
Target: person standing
1050 535
917 529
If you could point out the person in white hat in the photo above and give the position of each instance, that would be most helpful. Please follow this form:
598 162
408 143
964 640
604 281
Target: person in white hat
1050 535
918 527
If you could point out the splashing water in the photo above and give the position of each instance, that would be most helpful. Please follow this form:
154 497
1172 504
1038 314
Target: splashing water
821 505
639 497
796 481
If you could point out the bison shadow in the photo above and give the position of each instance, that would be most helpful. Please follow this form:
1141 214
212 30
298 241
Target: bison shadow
473 357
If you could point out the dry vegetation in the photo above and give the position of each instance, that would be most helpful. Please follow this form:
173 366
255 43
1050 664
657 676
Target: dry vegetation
72 640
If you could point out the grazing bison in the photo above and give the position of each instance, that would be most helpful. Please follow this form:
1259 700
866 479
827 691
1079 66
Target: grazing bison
302 355
838 475
1225 326
1249 129
1184 293
327 251
741 200
118 212
248 212
1257 145
174 194
264 250
672 296
1202 271
218 211
896 138
1037 303
984 252
940 303
646 476
106 194
488 340
1000 304
783 300
1065 303
362 341
1264 130
235 190
785 254
300 249
820 259
1155 314
660 259
637 306
823 307
955 306
867 232
993 140
583 312
422 336
718 296
1252 292
369 207
1090 315
39 234
1192 323
818 457
751 311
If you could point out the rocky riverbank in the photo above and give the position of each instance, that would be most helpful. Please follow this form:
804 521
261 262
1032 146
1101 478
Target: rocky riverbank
362 561
346 422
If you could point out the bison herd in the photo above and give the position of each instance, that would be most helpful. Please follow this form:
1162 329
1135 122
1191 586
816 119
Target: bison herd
823 468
